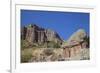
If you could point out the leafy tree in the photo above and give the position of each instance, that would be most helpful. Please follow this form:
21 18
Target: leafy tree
87 39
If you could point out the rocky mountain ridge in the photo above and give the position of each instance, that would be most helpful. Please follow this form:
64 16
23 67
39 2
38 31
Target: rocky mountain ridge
42 45
35 34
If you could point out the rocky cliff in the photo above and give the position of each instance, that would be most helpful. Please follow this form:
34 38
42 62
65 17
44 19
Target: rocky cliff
79 36
75 48
35 34
76 45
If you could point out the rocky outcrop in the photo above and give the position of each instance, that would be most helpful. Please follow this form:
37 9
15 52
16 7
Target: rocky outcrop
75 48
77 42
52 36
23 33
35 34
77 37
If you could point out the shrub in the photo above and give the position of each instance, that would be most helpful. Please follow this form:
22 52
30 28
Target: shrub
26 55
24 44
48 52
56 45
52 44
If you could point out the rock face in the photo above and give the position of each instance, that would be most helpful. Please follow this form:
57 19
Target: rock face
36 34
74 45
52 36
79 36
23 33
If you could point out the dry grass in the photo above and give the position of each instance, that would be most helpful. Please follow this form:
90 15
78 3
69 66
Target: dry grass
83 55
55 54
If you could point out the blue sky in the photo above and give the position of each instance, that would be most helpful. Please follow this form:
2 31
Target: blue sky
64 23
